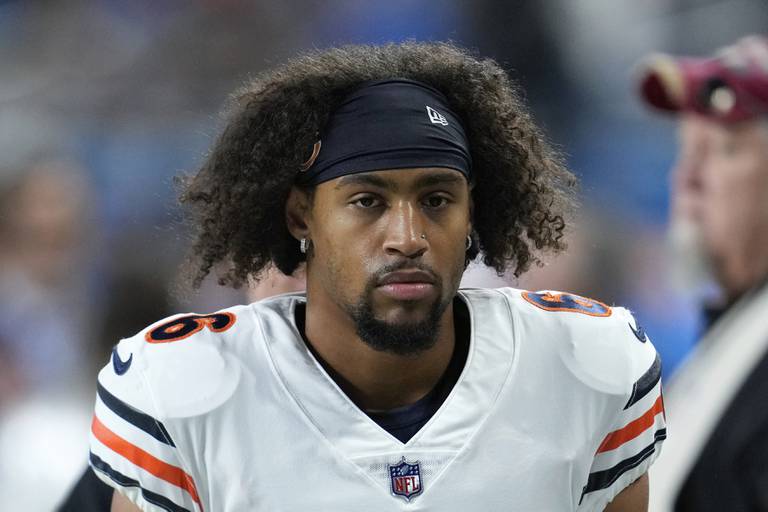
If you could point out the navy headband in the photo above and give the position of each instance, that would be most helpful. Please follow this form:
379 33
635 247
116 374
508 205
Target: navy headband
389 124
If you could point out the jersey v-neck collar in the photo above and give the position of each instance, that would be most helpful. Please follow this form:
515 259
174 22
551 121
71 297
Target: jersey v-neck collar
405 421
349 429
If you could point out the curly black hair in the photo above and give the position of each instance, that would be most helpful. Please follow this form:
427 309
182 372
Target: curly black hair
522 195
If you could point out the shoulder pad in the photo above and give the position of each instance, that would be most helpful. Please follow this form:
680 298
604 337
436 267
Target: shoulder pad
177 367
603 346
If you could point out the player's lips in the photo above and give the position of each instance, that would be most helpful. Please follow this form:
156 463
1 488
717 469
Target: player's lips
407 284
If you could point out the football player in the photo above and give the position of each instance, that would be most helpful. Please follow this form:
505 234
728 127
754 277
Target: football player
385 170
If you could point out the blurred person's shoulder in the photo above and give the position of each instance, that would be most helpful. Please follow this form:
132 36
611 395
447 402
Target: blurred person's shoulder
603 346
189 364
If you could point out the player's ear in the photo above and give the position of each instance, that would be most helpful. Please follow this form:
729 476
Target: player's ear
297 211
471 206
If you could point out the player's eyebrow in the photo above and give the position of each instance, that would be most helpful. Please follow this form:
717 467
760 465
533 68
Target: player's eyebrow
440 178
365 179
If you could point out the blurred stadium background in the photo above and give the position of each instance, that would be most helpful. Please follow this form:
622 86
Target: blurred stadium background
103 102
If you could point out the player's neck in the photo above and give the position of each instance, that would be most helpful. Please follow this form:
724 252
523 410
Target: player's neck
376 380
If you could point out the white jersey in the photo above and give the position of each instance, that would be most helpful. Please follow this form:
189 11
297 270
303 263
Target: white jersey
558 408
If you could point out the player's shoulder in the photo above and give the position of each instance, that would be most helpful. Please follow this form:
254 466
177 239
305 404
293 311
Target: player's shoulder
603 345
188 364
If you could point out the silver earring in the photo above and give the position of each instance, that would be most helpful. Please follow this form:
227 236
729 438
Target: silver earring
303 244
469 241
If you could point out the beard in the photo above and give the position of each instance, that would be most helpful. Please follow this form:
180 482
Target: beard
404 338
691 267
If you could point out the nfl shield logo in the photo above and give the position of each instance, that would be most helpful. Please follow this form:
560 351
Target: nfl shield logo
405 479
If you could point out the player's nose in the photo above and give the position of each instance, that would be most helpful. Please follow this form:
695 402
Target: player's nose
405 234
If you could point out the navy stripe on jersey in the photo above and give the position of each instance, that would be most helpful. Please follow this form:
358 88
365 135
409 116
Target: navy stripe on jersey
135 417
646 383
604 479
125 481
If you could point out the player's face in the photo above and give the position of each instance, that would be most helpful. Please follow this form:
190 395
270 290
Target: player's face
721 188
389 250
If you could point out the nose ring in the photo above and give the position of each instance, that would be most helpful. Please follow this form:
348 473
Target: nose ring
423 236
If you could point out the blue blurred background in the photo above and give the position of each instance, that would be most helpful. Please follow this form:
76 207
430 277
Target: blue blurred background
103 102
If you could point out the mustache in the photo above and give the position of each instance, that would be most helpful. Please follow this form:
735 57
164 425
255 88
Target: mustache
404 265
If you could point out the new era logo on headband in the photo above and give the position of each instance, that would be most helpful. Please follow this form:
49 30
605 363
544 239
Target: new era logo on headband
436 117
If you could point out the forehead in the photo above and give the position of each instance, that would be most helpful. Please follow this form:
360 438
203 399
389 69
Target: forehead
693 126
400 179
696 127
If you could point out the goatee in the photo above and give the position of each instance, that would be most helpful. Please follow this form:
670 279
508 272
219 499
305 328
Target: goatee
403 339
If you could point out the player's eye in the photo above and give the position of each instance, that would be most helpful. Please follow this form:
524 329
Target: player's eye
366 202
436 201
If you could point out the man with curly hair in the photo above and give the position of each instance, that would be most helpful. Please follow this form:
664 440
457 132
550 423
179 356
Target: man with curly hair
381 171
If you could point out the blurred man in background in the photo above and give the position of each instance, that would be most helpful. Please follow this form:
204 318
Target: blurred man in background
45 327
720 232
43 292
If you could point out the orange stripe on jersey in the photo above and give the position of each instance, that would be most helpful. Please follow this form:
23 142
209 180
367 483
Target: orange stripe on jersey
633 429
171 474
